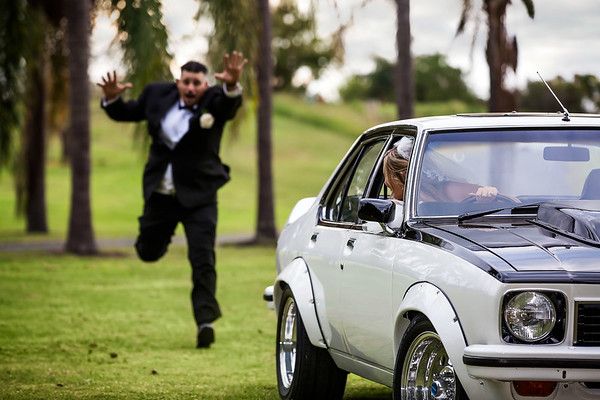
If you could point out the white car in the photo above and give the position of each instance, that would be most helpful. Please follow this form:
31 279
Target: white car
449 299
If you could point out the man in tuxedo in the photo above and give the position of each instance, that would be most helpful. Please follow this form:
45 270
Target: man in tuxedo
183 171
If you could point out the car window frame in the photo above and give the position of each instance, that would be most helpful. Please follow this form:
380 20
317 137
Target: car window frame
397 134
348 166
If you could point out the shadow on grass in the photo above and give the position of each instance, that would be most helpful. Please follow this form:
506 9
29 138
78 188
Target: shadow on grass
382 394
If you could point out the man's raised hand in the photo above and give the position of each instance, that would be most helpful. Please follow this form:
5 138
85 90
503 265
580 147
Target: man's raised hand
232 68
111 88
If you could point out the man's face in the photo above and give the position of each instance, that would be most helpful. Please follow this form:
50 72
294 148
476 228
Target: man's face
191 86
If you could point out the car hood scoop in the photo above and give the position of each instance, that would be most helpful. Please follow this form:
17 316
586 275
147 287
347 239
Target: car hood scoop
580 220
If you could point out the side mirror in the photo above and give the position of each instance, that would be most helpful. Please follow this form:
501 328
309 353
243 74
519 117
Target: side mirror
381 215
376 210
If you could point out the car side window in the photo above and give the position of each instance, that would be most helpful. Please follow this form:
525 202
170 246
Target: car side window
358 184
342 203
378 188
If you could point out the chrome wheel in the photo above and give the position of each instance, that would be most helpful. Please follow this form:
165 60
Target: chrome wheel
427 372
287 343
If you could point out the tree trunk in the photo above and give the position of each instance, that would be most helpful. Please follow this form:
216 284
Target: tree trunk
80 236
265 228
500 54
35 151
403 71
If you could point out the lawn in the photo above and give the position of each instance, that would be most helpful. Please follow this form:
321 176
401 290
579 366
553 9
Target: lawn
115 328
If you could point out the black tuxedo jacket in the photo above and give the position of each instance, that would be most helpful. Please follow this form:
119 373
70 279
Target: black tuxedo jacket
197 169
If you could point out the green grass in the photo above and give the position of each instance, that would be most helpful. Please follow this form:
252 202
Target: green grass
97 328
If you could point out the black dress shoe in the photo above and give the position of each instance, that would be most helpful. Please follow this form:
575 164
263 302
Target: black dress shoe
206 336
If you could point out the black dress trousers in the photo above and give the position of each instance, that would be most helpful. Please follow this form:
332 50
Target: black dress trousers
161 215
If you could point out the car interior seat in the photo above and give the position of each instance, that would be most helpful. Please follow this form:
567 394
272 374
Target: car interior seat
591 187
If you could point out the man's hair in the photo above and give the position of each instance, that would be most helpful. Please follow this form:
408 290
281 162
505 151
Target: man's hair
194 66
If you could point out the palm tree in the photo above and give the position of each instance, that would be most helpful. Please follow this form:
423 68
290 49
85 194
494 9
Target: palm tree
501 50
80 235
233 21
404 81
144 45
265 228
33 44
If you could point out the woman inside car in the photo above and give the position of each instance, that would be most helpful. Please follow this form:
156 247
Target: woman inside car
435 186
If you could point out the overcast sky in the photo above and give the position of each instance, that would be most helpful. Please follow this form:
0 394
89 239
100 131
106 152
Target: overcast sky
561 39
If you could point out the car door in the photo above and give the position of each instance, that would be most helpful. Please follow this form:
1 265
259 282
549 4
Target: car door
338 214
366 289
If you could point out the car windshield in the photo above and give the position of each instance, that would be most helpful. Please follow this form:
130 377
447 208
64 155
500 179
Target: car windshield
524 166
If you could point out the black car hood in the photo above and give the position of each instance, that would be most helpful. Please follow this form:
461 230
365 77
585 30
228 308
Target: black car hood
562 241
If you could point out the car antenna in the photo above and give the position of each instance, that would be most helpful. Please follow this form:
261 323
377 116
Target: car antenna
565 111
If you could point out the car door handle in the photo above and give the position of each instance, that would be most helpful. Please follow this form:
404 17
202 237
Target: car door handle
350 243
313 238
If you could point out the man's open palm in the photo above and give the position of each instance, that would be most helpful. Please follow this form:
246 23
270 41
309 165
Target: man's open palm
111 87
232 68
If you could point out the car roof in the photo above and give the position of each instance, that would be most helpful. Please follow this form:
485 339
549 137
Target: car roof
492 120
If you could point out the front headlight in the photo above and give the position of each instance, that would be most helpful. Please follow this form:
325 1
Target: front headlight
530 316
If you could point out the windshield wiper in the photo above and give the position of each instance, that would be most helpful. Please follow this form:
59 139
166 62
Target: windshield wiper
475 214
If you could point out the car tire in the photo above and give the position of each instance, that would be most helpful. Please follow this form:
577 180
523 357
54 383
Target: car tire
423 369
304 371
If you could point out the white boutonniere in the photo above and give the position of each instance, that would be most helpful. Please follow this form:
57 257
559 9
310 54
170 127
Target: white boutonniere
206 121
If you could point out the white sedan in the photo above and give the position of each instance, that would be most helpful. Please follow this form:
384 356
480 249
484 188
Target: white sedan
444 298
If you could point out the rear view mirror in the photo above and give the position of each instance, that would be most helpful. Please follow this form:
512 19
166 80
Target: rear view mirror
566 153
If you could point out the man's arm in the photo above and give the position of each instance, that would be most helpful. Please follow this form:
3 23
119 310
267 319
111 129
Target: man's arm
228 100
113 104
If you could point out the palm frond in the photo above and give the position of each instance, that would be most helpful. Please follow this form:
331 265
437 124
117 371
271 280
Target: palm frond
13 38
530 8
465 16
143 38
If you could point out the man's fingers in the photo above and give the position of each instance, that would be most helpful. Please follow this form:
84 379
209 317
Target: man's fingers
127 85
104 80
114 75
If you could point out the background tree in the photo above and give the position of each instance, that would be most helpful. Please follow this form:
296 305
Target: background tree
144 40
265 228
33 43
233 23
581 94
403 77
435 80
295 44
501 50
80 234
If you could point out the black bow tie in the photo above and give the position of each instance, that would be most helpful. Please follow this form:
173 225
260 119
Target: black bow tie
181 106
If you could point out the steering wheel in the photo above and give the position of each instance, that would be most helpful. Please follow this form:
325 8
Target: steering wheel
500 199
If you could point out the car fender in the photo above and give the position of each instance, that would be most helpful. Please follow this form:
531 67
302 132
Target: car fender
429 300
297 277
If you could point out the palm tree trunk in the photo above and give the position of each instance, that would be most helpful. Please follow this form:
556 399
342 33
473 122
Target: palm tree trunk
265 228
35 151
80 237
500 54
403 71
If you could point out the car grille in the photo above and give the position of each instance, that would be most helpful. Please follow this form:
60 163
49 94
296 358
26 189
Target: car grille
588 324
